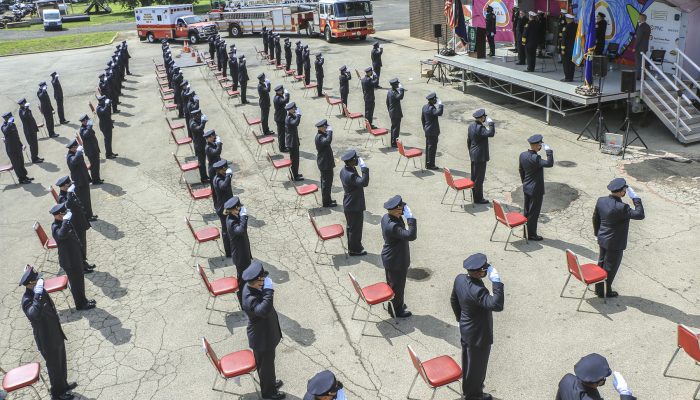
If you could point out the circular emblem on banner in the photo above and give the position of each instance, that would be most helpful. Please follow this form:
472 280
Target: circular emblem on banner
500 10
602 6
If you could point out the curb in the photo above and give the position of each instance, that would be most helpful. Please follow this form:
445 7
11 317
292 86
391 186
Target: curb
72 48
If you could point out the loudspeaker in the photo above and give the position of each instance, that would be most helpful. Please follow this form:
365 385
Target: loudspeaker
628 81
437 30
600 66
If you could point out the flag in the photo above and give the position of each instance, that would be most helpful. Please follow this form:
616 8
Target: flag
584 45
460 27
450 13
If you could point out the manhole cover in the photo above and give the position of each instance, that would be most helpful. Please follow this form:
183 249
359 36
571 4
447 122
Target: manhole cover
558 196
418 274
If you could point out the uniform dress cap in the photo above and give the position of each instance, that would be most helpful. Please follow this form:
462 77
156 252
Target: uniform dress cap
101 76
279 88
54 73
286 39
298 42
592 368
242 56
617 184
318 55
72 143
209 133
368 69
321 123
306 46
344 67
475 262
479 113
349 155
290 105
101 98
29 275
220 164
254 270
184 83
394 81
261 76
232 202
7 115
63 181
569 16
535 139
532 13
431 96
21 101
393 202
58 208
83 117
321 384
43 83
376 44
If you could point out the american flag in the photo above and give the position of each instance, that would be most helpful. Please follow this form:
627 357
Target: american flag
450 13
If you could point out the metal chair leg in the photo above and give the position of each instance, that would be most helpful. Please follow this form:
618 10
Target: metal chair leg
453 200
564 288
444 195
671 361
355 308
493 231
583 296
224 389
510 232
408 395
344 249
396 167
369 311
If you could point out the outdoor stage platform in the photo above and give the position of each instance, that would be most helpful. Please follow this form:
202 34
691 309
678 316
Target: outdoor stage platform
541 89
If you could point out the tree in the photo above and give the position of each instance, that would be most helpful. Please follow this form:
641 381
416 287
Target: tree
131 4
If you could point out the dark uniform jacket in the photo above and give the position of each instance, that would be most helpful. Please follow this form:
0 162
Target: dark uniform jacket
473 306
393 102
288 50
318 65
242 72
104 113
324 157
478 141
70 254
429 119
12 140
291 125
280 102
29 125
197 129
78 170
519 29
611 221
44 101
233 67
395 253
532 171
344 80
42 315
568 39
600 28
264 95
80 218
57 89
642 35
490 23
222 187
377 57
368 86
530 33
264 331
237 228
572 388
213 152
90 143
353 185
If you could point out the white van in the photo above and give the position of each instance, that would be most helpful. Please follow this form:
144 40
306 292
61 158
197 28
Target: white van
52 20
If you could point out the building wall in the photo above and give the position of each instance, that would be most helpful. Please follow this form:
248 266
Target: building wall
423 14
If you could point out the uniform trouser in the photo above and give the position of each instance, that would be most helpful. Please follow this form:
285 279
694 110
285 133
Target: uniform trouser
59 110
224 237
76 278
114 104
94 166
211 53
395 130
377 70
492 43
288 63
431 143
265 117
278 58
243 91
107 132
638 63
396 278
280 135
344 97
17 161
307 75
55 358
218 61
126 67
265 47
475 360
599 49
48 118
202 160
82 235
265 364
319 86
609 260
300 68
478 173
234 81
521 54
212 174
223 70
355 221
326 186
369 111
531 54
569 67
33 145
241 282
294 156
533 205
83 193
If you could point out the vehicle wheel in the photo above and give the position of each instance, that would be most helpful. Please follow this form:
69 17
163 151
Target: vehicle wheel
235 30
327 34
363 37
194 38
150 38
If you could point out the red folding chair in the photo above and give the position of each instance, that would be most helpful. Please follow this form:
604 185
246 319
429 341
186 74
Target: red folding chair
58 284
290 73
297 79
332 103
9 169
277 165
374 133
166 96
350 116
260 53
217 288
328 232
231 365
186 141
436 372
359 78
54 193
230 93
689 341
310 88
378 293
21 377
197 194
588 274
251 122
262 141
204 235
174 126
408 154
511 220
46 242
459 185
92 109
186 167
303 191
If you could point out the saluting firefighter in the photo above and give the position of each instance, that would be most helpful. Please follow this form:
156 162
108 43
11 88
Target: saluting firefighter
568 34
278 50
344 78
46 108
280 101
431 127
369 82
237 229
354 199
30 129
601 26
393 105
306 57
222 193
324 386
530 38
325 160
478 136
13 147
243 77
104 113
318 65
376 55
80 221
212 149
58 96
92 148
80 175
198 123
291 138
233 68
531 169
264 39
264 103
591 373
287 54
396 255
299 52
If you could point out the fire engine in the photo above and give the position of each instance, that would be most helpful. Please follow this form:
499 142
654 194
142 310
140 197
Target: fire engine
172 22
334 19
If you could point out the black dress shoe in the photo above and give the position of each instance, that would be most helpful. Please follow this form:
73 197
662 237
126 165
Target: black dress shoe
284 150
610 293
329 205
87 306
535 238
482 201
205 180
37 161
89 266
487 396
30 179
299 178
276 396
54 135
64 122
113 155
433 167
519 63
278 384
116 112
362 253
24 181
71 386
93 218
405 314
566 80
64 396
87 271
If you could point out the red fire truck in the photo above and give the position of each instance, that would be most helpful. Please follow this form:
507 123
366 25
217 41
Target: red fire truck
172 22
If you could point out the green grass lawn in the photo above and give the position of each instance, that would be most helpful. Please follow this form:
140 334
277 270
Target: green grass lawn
62 42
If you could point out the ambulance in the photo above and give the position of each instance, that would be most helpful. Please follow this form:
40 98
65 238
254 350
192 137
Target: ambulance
172 22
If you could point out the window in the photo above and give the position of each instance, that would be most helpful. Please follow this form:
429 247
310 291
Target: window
159 18
353 9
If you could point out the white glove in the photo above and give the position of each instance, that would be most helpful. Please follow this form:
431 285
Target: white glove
439 101
218 140
620 384
229 171
267 284
298 112
286 91
244 211
26 105
361 162
329 130
90 123
489 120
68 216
267 82
204 118
407 211
400 86
71 188
493 274
340 395
11 120
631 193
39 288
80 148
107 101
546 147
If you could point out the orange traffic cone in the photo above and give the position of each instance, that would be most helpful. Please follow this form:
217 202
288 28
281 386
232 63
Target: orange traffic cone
187 47
199 59
193 55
